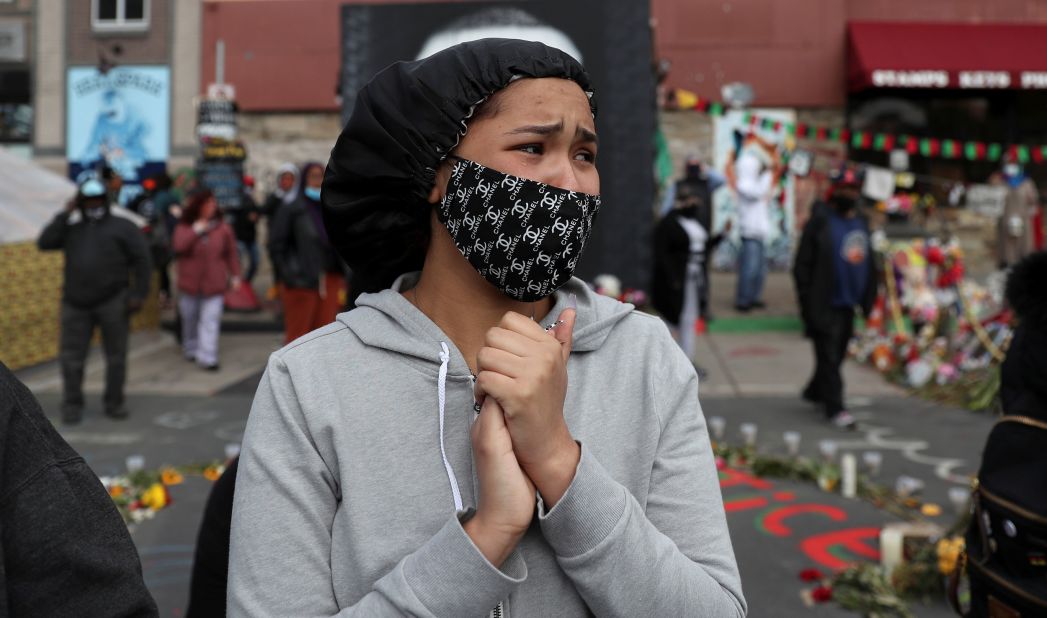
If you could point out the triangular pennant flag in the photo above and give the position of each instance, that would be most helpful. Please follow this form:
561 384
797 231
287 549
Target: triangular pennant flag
995 151
1037 153
970 151
889 141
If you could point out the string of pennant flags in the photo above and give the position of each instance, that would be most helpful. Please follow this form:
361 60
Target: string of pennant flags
971 150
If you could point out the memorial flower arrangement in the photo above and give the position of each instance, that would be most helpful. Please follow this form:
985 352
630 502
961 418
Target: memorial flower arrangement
140 494
932 330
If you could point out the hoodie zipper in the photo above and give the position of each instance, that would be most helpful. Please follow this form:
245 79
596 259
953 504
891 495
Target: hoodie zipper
498 611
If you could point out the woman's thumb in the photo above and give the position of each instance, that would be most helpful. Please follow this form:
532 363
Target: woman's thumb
564 329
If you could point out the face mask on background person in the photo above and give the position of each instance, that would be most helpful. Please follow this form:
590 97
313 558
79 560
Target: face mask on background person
523 236
312 193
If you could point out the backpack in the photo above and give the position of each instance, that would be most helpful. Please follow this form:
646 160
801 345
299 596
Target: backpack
1006 541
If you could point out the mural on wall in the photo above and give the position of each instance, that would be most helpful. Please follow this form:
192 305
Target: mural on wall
121 119
736 140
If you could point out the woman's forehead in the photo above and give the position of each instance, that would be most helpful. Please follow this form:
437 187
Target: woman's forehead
548 96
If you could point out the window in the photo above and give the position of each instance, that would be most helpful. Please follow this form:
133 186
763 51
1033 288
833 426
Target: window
119 15
16 112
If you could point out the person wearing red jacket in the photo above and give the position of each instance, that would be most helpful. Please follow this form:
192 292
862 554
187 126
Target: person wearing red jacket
208 264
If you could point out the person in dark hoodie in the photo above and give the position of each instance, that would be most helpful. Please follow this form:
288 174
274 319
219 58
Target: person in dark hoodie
834 273
106 279
64 548
482 433
308 267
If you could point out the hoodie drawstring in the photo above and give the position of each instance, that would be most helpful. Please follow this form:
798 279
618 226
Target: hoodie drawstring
445 358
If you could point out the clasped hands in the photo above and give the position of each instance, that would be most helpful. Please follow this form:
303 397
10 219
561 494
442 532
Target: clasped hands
520 438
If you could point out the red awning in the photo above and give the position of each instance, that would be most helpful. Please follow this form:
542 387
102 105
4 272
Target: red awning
931 55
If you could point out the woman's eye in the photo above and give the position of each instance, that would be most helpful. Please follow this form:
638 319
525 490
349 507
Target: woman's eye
585 155
535 149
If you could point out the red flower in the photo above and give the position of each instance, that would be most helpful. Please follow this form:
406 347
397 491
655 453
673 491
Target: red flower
811 575
822 594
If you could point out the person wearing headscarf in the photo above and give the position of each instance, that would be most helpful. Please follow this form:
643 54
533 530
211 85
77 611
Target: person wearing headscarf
307 265
286 191
453 446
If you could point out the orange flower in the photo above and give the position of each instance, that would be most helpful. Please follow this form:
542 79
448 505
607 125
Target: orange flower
170 476
211 473
116 491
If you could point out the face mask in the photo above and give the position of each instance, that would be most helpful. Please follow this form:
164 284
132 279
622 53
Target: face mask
95 213
845 204
522 236
312 193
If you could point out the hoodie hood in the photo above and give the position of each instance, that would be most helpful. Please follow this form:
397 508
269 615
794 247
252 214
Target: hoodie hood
388 321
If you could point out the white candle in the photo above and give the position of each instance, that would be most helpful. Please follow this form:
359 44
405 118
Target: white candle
792 442
959 497
890 548
828 449
849 474
135 463
717 424
749 433
232 450
873 460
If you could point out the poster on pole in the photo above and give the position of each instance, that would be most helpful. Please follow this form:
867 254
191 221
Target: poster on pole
121 118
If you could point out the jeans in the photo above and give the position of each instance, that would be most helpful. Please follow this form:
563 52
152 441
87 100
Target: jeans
752 268
78 325
201 322
830 350
251 250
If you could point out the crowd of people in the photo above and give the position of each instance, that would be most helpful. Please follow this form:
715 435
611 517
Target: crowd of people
112 254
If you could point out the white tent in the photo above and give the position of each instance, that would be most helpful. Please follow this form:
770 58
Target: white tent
30 196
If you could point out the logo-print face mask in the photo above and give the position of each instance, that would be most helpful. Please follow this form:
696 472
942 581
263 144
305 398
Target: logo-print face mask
523 236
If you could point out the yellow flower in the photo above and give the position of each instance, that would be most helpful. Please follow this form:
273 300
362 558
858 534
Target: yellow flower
170 476
931 510
155 497
948 550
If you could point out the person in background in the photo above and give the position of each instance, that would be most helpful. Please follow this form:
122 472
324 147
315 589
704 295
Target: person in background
311 272
682 246
1015 230
754 176
208 265
285 194
147 205
834 273
114 183
65 550
245 228
106 279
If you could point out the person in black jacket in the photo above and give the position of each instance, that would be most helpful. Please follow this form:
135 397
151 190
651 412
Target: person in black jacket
311 272
210 579
682 244
102 254
834 272
64 548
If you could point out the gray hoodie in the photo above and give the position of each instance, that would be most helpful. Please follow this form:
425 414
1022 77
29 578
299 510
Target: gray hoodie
356 473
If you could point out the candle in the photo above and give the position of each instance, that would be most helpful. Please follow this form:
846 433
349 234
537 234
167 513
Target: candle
959 497
718 424
828 449
906 486
232 450
849 474
792 442
749 433
872 461
135 463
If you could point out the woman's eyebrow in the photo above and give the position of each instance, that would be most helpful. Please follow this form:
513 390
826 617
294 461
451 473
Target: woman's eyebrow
581 133
538 129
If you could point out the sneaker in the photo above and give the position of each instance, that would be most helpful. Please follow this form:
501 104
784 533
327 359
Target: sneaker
809 396
214 367
72 414
117 413
843 420
759 305
743 308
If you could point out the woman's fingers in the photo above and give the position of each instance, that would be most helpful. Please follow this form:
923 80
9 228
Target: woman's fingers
508 340
506 363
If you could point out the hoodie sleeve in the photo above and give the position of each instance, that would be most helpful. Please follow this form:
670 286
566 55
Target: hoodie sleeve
676 554
283 511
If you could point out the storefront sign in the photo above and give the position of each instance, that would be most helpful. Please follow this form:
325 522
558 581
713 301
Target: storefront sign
910 79
970 80
216 118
